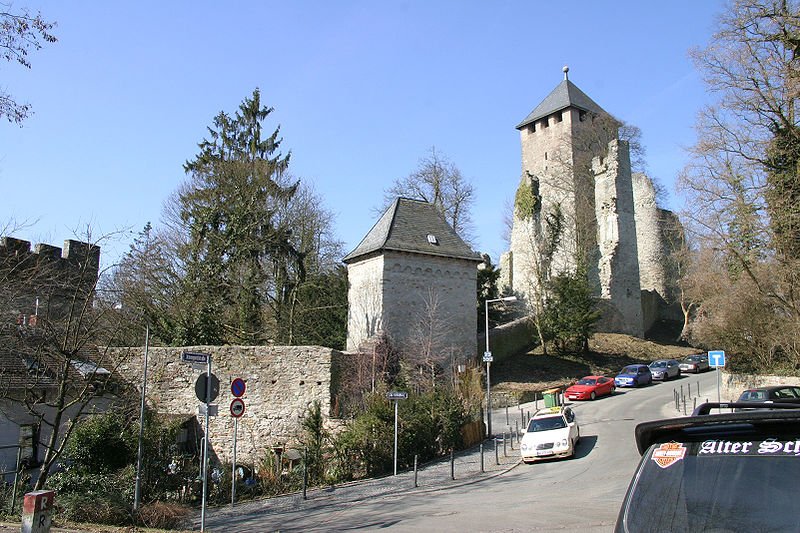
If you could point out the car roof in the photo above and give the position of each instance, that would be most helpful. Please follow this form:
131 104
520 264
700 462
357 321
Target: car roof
770 388
549 411
700 427
591 377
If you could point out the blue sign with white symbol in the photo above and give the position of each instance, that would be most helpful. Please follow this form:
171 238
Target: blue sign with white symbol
716 358
237 387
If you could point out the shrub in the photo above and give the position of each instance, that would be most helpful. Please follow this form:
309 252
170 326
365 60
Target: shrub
163 515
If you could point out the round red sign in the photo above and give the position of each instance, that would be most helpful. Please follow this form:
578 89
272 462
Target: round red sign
237 407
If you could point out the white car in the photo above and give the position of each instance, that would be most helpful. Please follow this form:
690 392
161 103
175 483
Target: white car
551 432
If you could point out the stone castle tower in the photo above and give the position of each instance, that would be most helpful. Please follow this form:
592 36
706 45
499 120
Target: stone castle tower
412 269
578 203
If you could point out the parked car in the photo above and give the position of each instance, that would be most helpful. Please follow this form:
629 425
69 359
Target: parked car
633 376
664 369
715 472
551 432
772 394
590 387
695 364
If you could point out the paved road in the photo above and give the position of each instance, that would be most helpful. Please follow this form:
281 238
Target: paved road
555 496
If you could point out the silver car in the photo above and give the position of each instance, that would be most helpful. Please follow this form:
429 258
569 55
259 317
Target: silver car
664 369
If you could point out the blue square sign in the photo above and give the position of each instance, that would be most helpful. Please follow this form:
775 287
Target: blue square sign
716 358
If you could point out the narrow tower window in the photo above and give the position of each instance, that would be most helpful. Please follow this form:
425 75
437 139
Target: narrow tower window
432 239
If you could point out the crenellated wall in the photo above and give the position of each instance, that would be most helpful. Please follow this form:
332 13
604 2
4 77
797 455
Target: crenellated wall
43 280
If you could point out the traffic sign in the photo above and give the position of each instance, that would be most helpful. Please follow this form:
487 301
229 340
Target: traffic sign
716 358
200 387
237 407
238 387
487 357
195 357
396 395
212 409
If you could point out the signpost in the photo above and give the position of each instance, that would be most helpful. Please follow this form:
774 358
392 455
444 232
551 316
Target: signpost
238 386
201 386
716 359
396 396
204 388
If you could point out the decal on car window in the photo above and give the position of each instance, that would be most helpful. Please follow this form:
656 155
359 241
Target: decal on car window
668 454
765 447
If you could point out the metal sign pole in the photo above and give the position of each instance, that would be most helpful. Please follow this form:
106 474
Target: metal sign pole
233 472
488 400
137 489
396 403
205 446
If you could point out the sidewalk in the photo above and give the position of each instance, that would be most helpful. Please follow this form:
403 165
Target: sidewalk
435 475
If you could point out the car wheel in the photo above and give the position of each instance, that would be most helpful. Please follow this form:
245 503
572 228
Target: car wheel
592 396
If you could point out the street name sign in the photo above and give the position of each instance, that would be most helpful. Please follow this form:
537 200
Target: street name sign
396 395
487 357
195 357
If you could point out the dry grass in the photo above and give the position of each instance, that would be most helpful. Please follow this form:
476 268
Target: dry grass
526 374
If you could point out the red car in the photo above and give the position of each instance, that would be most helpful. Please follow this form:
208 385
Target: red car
590 387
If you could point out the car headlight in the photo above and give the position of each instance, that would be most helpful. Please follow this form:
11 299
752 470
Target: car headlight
523 447
561 444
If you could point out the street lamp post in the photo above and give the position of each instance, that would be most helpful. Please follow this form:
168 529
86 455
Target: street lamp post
487 358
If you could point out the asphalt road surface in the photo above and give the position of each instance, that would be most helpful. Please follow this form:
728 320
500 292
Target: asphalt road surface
582 494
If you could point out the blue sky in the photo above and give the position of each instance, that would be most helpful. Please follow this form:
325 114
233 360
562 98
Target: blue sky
361 91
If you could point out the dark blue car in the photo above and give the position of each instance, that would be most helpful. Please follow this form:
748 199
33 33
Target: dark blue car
633 376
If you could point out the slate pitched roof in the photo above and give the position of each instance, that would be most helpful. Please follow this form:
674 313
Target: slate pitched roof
405 227
566 94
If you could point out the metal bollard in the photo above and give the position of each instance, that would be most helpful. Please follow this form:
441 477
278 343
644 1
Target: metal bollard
684 406
682 397
496 452
482 468
506 413
695 404
698 389
511 435
517 430
505 452
452 464
416 458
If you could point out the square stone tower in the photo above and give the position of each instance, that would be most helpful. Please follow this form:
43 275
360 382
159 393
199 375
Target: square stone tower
574 205
410 272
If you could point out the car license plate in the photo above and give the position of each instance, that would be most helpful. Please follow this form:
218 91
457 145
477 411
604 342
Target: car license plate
544 452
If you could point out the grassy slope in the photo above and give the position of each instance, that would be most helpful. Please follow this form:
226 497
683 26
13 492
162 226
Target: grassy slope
609 352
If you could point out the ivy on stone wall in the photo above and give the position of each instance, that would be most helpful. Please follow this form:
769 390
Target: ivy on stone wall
527 201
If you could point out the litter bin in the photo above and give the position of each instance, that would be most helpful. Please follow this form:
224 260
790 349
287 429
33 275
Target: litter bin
552 397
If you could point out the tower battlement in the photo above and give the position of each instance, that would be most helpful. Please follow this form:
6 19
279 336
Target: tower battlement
41 280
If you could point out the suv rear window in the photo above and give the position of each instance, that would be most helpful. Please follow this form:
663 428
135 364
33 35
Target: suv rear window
716 485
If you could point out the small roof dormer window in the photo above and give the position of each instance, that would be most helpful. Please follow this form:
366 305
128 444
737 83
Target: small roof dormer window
432 239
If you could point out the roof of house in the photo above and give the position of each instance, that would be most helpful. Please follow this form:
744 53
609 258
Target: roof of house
566 94
413 226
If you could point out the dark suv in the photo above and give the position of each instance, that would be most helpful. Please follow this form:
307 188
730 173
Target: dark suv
735 471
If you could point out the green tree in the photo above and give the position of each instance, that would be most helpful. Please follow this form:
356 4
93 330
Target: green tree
571 313
20 33
235 254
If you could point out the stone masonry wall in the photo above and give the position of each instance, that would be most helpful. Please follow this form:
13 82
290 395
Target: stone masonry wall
283 382
414 284
618 264
364 301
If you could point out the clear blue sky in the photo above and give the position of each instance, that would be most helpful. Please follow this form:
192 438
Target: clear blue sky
361 90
